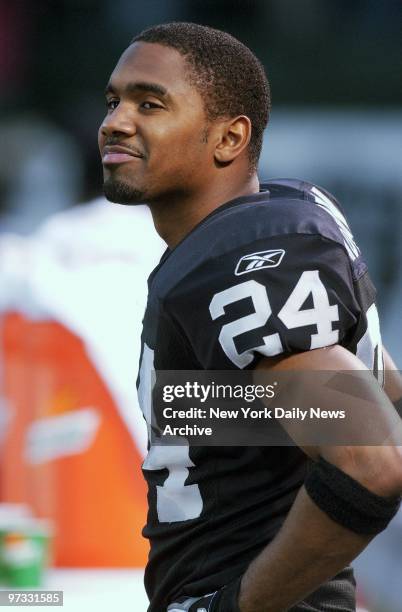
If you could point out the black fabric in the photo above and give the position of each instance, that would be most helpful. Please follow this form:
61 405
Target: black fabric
240 496
227 599
347 502
223 600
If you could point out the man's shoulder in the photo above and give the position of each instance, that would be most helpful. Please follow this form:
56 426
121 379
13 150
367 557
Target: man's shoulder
259 227
283 207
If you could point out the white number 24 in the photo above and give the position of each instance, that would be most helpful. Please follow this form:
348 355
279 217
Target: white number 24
322 315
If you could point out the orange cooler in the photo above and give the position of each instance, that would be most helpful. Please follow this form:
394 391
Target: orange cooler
68 453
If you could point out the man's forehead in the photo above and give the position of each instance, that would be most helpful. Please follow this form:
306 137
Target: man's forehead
151 62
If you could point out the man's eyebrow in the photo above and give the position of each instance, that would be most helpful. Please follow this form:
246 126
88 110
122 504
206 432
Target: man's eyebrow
137 86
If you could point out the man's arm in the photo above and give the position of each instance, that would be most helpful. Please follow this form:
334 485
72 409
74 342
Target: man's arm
311 547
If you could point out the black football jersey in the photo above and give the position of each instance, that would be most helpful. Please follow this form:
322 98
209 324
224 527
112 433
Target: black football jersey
267 274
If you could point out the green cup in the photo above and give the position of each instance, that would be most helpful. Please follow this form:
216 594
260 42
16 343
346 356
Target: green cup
24 553
12 516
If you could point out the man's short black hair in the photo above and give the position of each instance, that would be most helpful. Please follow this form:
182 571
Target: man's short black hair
229 77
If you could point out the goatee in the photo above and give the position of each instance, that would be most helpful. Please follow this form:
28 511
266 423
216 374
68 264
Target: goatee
121 193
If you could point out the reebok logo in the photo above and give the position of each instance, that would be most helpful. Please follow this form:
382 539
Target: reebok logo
257 261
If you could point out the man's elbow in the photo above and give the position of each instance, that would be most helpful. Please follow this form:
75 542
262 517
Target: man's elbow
378 468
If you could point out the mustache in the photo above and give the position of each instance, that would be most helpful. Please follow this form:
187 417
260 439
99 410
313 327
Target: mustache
116 142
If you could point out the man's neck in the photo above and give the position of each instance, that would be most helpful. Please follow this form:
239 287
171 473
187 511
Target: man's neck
173 220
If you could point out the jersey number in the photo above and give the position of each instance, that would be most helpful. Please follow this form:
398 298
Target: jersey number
322 315
175 501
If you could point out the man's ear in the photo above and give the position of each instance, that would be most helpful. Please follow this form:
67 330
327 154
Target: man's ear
234 138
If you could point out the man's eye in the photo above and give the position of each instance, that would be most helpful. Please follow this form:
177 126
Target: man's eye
112 104
148 105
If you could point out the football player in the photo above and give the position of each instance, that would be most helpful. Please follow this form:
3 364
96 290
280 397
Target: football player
256 276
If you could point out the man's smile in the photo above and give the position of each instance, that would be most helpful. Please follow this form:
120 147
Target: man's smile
118 154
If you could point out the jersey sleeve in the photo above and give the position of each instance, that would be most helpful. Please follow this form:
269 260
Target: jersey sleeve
284 294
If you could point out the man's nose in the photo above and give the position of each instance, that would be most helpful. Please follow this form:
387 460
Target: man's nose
120 121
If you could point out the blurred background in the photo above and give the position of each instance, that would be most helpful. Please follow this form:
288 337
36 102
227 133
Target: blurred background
73 268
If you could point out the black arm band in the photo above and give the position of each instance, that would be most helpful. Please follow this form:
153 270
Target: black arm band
398 406
347 502
228 598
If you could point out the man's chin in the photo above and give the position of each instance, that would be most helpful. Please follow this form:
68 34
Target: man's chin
122 193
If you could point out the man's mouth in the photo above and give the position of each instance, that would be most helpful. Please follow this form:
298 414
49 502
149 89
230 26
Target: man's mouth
118 154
